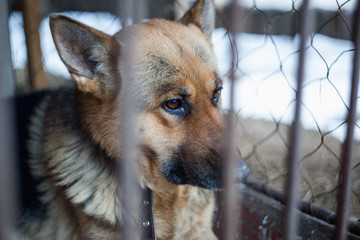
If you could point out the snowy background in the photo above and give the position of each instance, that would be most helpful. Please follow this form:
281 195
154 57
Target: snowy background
267 68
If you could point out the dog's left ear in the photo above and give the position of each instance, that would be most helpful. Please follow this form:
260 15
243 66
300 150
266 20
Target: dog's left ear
202 14
88 54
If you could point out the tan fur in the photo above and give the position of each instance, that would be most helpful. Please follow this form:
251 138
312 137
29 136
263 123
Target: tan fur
76 133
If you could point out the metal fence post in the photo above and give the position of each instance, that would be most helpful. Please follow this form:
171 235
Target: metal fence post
291 218
7 169
130 191
230 196
343 206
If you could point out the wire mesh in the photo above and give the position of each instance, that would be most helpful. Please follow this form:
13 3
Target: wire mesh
266 66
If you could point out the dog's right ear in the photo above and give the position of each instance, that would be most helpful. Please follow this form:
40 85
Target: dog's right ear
202 15
89 55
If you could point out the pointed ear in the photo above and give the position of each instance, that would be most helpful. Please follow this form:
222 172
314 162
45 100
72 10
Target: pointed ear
89 55
202 14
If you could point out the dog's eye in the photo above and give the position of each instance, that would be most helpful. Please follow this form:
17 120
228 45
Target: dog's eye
176 106
216 96
173 104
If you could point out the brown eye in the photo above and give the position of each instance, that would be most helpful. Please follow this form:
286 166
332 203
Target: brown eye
217 93
216 96
176 106
173 104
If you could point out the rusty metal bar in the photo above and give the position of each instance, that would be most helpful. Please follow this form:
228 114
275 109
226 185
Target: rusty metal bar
343 206
7 142
130 190
7 83
230 197
180 7
291 218
8 182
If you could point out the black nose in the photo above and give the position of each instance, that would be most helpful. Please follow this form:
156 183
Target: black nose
241 171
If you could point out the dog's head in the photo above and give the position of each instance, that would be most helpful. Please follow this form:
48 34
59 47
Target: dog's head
174 83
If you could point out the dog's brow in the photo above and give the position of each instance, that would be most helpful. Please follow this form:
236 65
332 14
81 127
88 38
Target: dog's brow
217 80
185 91
201 53
163 87
166 87
161 67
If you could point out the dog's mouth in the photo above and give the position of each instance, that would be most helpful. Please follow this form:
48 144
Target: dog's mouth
205 174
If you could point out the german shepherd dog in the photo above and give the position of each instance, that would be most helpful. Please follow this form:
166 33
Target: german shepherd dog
75 133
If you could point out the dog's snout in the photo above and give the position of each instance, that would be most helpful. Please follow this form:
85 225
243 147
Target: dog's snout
241 171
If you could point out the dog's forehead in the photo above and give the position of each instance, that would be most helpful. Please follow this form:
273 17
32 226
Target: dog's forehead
169 41
166 56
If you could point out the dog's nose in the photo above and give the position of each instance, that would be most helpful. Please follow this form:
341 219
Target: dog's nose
241 171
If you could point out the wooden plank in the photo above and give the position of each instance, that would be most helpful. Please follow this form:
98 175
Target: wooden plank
32 18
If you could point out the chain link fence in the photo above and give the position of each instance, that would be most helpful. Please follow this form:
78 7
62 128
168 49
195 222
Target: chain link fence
268 53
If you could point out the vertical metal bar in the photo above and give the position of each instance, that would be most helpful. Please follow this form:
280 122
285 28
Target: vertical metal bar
180 7
291 218
7 169
8 183
230 197
7 83
127 191
130 191
343 206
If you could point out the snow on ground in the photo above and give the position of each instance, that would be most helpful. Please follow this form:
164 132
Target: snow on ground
266 75
264 91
